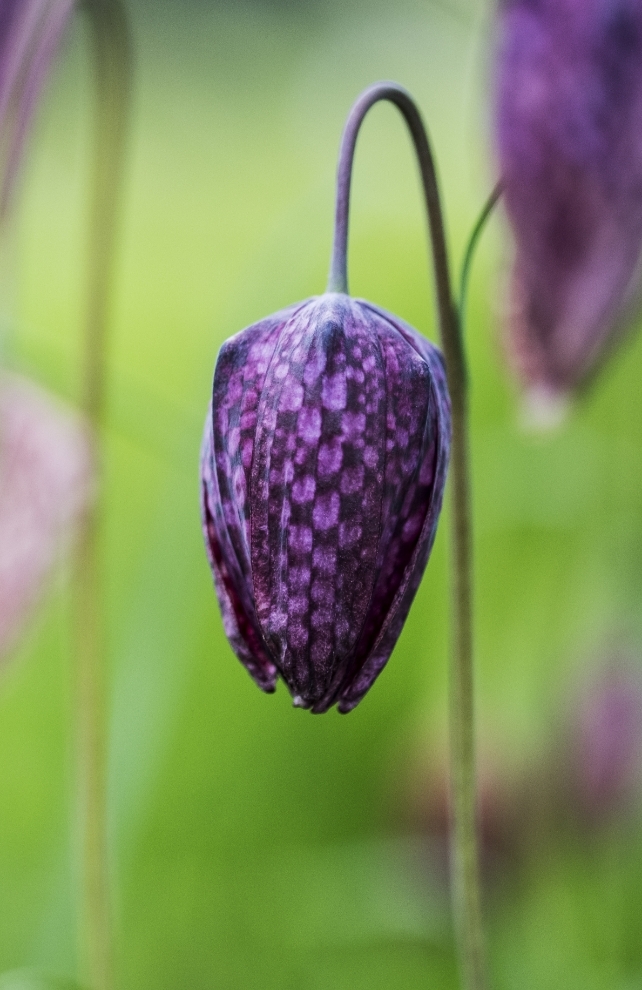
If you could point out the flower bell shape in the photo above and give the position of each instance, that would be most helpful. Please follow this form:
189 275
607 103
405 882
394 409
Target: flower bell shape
569 133
323 466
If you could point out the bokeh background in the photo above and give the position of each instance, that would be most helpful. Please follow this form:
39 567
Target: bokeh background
255 845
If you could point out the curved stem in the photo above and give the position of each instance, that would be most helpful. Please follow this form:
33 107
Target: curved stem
464 845
476 233
338 278
111 50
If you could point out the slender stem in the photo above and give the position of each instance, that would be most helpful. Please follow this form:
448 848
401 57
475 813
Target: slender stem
473 240
111 52
464 843
464 834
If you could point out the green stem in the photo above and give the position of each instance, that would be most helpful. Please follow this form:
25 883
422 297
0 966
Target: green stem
473 240
464 830
111 51
464 842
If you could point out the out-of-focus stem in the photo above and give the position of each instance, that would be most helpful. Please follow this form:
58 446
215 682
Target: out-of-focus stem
111 63
464 840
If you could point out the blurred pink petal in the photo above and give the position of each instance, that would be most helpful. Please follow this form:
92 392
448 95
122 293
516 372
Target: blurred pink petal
30 34
45 482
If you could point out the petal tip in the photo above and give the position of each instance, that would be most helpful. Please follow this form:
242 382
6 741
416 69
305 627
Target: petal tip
544 409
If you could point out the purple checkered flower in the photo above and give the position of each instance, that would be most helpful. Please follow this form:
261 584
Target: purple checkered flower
30 34
569 132
323 466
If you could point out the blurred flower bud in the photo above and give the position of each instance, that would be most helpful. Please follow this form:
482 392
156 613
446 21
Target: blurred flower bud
569 132
605 769
45 481
323 467
421 801
30 33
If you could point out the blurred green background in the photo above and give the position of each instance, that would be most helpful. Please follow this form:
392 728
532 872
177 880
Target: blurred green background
253 844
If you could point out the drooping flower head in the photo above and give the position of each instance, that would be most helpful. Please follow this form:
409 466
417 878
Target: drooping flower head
323 467
30 34
569 132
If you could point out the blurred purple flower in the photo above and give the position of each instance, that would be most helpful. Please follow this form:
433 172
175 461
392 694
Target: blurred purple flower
45 462
605 766
45 482
569 131
425 806
323 467
30 33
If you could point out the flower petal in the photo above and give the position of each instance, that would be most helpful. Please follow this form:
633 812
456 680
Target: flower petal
46 478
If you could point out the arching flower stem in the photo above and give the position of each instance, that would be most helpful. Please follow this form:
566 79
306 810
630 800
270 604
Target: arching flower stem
464 840
111 63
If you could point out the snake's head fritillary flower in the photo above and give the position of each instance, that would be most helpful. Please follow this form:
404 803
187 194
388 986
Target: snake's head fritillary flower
30 34
45 482
323 467
569 131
